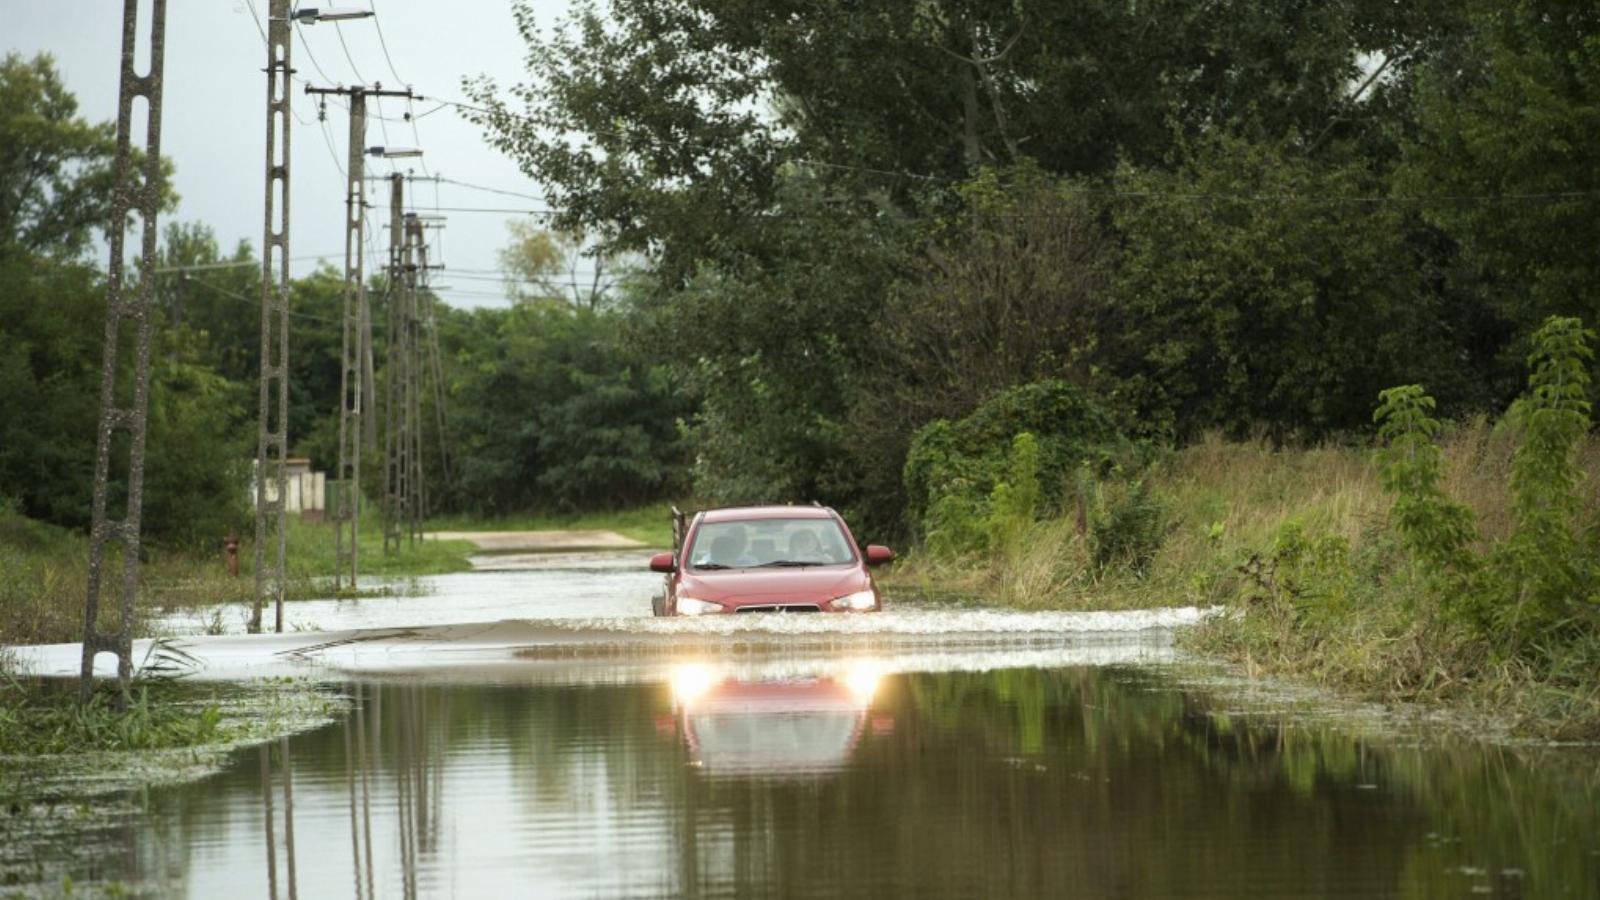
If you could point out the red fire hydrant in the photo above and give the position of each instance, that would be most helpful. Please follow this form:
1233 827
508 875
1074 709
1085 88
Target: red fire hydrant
230 545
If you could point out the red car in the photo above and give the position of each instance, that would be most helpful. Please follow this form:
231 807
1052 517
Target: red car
768 559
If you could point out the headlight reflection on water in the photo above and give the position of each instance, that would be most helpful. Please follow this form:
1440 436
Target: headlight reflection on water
692 681
862 679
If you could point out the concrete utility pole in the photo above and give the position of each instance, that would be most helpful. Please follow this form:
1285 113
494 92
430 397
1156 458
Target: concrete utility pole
397 439
427 371
413 410
347 520
272 425
404 373
436 375
126 414
355 375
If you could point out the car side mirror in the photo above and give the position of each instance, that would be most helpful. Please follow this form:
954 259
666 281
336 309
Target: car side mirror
663 562
877 554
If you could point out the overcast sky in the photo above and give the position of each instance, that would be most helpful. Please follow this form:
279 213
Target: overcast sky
214 111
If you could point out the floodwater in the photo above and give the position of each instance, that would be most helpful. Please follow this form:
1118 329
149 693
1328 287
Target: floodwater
1010 755
547 586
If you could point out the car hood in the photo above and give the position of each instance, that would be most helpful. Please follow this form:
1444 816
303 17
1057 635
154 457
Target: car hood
809 585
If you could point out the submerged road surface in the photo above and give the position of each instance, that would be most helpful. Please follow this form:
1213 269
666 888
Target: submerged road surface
563 744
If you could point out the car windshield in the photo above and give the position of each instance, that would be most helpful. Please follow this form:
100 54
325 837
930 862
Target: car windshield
769 542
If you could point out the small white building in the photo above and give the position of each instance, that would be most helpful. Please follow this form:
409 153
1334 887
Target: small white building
307 490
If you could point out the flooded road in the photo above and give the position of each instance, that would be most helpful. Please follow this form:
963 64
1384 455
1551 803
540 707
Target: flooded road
590 752
1084 780
546 586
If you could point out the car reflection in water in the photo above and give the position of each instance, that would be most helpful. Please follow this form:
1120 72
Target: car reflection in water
773 727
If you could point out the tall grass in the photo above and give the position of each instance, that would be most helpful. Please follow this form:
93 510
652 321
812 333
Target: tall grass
1326 592
1298 543
44 582
1219 501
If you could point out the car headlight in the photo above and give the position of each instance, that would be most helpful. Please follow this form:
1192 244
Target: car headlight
859 600
689 606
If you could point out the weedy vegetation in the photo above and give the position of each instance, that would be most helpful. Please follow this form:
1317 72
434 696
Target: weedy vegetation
1458 564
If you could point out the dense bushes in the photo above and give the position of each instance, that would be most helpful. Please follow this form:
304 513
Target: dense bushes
1039 451
960 463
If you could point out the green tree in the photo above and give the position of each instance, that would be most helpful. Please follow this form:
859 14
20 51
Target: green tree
665 124
552 411
56 179
1538 587
51 316
214 296
1509 114
546 265
1256 289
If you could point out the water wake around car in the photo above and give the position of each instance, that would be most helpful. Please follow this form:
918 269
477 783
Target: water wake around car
1095 636
976 622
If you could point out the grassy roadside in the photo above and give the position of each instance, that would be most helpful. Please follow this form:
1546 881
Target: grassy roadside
1219 503
1300 547
41 597
651 524
64 768
46 578
311 552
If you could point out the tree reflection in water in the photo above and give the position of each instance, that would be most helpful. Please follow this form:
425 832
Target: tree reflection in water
1091 781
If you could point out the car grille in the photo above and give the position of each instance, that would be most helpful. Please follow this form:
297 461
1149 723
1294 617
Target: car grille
781 608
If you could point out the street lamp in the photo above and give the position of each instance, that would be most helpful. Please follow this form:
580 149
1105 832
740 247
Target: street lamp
312 15
393 152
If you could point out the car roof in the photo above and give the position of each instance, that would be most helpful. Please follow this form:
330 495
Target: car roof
747 513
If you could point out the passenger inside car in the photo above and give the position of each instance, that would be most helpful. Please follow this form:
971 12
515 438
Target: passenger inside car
804 547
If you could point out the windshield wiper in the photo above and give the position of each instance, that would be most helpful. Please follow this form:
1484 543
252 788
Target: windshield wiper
789 562
709 565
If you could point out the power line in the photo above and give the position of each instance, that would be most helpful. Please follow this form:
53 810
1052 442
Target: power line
256 302
383 43
470 293
327 139
347 57
509 211
201 267
1264 199
1554 196
490 190
457 275
306 46
383 124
